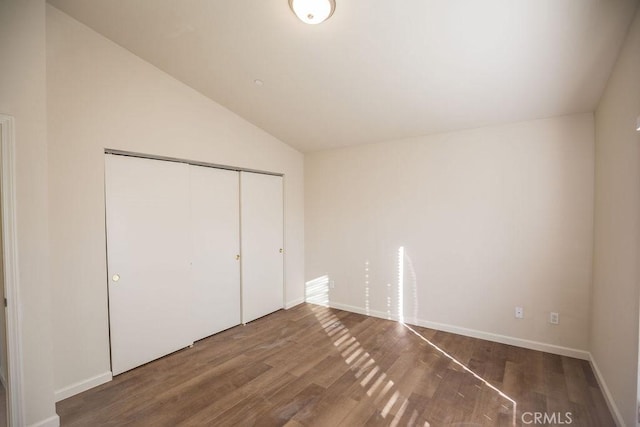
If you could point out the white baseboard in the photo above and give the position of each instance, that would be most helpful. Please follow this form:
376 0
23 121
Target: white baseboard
293 303
503 339
617 416
83 385
360 310
52 421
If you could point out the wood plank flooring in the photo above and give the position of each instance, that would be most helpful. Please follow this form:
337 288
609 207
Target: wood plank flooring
315 366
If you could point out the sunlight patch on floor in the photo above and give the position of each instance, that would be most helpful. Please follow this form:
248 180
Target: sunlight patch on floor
359 360
375 382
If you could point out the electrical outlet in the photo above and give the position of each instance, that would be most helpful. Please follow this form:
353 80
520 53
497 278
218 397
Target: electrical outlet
519 313
554 318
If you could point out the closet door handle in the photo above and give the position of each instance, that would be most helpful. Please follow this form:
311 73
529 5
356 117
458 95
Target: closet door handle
237 257
281 250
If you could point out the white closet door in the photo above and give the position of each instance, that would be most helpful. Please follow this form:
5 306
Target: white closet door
148 247
262 243
215 273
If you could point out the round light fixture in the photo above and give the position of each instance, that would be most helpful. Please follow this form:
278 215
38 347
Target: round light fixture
312 11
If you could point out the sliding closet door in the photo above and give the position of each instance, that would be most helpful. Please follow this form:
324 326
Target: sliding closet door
147 213
262 243
215 273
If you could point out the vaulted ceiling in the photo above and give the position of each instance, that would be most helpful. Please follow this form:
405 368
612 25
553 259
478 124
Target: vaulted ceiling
376 70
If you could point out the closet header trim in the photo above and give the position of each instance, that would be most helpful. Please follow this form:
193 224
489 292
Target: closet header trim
189 162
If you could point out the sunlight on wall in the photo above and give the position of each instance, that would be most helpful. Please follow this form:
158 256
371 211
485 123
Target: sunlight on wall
407 288
367 308
401 284
410 280
317 291
389 315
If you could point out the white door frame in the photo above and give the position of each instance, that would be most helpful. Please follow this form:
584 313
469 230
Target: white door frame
15 394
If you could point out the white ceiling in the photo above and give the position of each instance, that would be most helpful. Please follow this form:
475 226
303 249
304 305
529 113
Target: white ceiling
376 70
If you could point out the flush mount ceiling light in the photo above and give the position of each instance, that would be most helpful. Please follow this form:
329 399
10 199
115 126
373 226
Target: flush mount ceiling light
312 11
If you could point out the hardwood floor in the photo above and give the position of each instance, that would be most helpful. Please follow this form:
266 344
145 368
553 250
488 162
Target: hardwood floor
315 366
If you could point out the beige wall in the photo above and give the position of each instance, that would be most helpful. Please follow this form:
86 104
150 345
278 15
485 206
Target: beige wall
101 96
614 326
490 219
23 95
